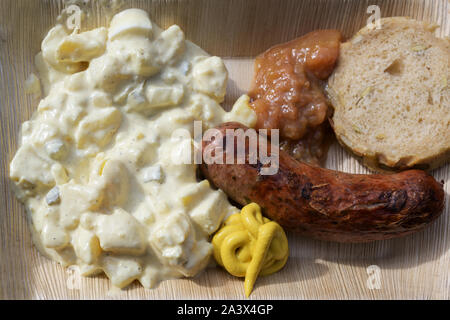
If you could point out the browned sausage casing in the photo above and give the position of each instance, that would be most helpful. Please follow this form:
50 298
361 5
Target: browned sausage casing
331 205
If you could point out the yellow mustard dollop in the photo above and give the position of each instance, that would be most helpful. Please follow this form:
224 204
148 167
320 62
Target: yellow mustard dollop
249 244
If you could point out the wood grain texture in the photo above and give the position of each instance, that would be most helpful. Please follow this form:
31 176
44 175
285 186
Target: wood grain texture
414 267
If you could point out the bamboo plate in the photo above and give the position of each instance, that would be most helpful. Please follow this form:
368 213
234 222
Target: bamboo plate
414 267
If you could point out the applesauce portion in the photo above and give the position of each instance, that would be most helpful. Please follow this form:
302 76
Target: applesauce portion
287 93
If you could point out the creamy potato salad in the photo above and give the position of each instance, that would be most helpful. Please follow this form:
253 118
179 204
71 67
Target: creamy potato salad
96 165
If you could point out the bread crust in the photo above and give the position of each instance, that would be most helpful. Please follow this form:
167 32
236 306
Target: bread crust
429 154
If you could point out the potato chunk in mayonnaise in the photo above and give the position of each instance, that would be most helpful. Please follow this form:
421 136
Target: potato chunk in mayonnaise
95 168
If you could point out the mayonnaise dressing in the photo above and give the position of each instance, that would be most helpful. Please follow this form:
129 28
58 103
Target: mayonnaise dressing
96 166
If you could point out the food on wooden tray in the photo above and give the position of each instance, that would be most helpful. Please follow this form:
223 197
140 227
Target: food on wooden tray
287 92
391 96
326 204
248 245
96 166
103 171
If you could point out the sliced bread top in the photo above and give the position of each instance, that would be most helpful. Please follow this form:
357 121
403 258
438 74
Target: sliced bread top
390 95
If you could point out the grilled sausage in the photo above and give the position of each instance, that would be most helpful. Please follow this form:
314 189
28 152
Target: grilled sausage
326 204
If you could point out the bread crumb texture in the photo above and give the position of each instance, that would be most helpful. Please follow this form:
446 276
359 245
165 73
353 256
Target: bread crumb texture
391 97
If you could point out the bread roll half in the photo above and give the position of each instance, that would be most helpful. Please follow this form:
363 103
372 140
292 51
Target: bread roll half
390 94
